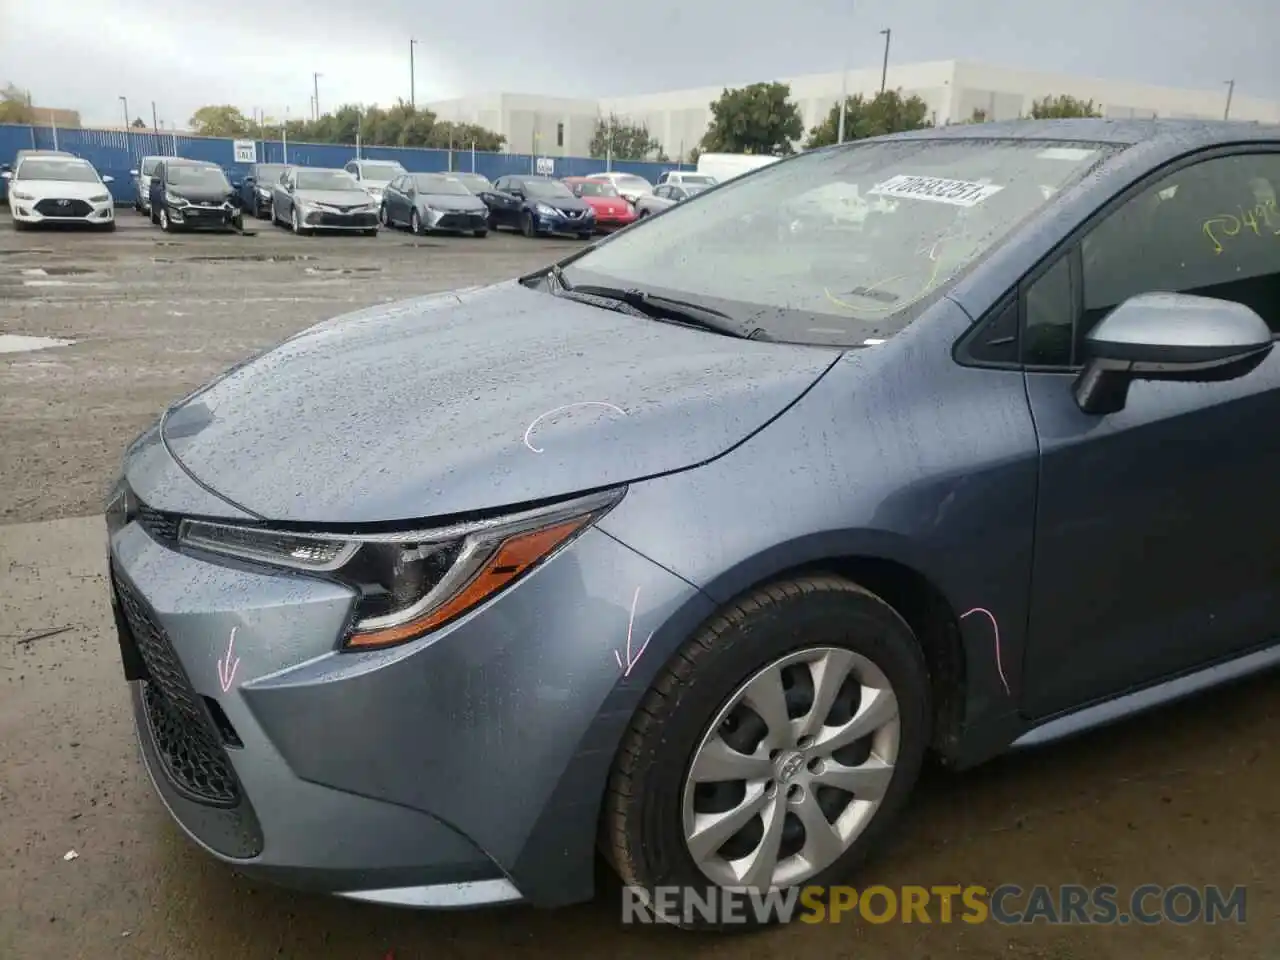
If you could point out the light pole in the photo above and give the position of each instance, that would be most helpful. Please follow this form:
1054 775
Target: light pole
124 105
1231 89
315 86
413 86
155 123
844 98
884 69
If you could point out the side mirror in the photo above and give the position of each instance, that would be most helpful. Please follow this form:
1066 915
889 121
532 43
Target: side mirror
133 173
237 183
6 175
108 179
1168 336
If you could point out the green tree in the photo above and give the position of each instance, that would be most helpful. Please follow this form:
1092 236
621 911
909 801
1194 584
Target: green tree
459 136
15 105
1063 106
759 118
888 112
978 116
138 124
219 120
626 141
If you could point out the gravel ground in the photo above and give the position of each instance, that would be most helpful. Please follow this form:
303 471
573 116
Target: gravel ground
1188 795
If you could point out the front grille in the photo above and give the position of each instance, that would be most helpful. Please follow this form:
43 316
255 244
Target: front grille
573 214
158 525
63 208
462 221
185 737
365 220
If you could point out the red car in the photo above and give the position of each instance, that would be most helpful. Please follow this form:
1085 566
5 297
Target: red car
612 212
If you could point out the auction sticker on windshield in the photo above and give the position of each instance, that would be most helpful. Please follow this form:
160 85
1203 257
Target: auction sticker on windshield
958 193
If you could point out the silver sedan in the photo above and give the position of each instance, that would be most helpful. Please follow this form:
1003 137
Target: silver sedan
665 195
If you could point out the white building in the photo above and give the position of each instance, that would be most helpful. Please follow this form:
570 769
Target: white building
953 89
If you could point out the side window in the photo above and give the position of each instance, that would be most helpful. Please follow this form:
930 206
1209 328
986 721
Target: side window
353 169
149 167
1050 311
1211 229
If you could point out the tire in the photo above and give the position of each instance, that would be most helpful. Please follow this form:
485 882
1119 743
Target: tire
584 236
19 226
107 227
415 224
481 234
642 214
526 225
688 704
155 216
295 223
165 223
493 221
384 218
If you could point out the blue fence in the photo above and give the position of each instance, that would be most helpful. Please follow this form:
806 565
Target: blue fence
115 152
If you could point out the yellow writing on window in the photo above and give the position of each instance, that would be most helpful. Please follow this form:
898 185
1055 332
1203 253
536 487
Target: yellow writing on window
1257 218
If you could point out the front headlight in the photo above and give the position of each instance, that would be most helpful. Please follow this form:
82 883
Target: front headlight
100 198
545 210
411 583
174 200
19 195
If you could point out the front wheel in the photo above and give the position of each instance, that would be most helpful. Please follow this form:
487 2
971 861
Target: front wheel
415 224
371 232
295 223
773 750
383 217
165 223
526 225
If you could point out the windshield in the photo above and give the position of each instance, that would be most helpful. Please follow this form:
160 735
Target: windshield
633 183
841 246
440 186
49 168
381 171
692 189
590 188
206 178
327 180
690 180
547 188
268 172
473 181
149 165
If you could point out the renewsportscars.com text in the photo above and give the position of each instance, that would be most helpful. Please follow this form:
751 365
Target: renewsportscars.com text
1009 904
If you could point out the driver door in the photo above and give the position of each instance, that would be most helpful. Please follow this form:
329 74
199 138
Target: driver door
1157 526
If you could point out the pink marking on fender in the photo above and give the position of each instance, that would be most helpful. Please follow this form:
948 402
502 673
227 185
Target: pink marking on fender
632 660
995 628
227 668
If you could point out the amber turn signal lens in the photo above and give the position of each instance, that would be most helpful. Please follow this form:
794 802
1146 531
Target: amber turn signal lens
513 557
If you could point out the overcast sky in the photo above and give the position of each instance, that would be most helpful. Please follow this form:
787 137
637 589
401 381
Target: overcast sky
85 54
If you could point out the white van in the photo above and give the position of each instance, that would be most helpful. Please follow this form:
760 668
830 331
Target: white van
726 166
686 178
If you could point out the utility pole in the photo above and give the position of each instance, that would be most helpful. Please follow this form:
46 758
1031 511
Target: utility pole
315 82
1231 89
413 86
124 104
844 100
884 69
155 122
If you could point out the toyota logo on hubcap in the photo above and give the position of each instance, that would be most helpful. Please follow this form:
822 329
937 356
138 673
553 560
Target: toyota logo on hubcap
790 767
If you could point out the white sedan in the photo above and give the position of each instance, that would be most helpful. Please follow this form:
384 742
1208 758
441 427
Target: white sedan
48 189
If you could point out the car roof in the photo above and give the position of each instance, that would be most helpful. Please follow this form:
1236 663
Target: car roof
186 162
1190 134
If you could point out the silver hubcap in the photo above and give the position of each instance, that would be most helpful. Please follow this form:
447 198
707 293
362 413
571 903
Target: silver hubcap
791 770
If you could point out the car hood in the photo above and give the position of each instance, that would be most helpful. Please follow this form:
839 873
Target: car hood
608 204
451 201
63 189
202 194
560 203
334 198
474 400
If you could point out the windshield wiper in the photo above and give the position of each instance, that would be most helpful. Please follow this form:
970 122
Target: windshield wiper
670 310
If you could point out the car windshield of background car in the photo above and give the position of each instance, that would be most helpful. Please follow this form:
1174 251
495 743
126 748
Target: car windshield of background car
845 246
590 189
634 183
269 173
77 171
689 181
208 178
382 171
327 180
552 189
440 186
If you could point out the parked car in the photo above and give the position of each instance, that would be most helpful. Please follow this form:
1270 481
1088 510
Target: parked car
317 198
682 178
630 186
256 188
46 188
477 183
193 195
538 206
374 175
726 166
708 536
427 202
612 212
142 183
19 156
666 195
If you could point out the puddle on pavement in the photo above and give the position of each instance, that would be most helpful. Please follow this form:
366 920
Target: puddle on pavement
47 271
32 252
16 343
238 258
340 271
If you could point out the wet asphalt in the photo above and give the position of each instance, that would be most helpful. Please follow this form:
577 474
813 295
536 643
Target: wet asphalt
1188 795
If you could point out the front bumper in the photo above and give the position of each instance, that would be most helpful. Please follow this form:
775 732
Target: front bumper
460 220
559 223
466 767
56 210
320 219
202 216
607 222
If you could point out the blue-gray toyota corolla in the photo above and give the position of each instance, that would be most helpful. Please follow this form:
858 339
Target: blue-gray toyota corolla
690 549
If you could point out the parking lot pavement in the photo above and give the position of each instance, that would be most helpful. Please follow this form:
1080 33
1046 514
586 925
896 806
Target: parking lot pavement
1190 795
